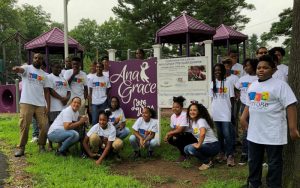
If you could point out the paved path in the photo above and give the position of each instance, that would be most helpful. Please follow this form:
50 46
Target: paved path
3 169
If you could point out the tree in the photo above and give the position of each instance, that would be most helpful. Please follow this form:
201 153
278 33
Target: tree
282 28
217 12
141 19
291 169
35 19
56 24
86 33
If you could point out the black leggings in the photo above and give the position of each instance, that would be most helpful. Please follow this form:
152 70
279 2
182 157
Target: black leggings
181 140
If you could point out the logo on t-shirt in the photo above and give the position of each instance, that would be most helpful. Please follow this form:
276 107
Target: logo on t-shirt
78 80
245 86
259 100
35 78
99 84
195 131
235 72
60 83
143 132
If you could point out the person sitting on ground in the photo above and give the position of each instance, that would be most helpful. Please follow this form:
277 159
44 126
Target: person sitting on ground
144 130
117 118
207 145
101 139
180 134
63 128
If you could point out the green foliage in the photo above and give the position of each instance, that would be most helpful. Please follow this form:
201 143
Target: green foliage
281 28
87 62
216 12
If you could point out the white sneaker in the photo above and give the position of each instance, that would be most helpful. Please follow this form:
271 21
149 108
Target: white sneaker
34 139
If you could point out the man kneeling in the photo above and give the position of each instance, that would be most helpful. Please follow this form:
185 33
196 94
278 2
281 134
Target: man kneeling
102 138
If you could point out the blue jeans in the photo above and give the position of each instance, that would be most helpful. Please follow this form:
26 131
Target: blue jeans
35 127
123 133
205 152
67 137
224 131
275 163
135 143
96 108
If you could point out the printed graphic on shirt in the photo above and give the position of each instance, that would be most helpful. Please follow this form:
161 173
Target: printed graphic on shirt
176 126
144 132
78 80
259 100
221 92
235 72
245 86
60 84
99 84
113 119
196 131
35 78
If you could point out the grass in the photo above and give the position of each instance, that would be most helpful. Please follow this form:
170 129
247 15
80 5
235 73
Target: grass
50 171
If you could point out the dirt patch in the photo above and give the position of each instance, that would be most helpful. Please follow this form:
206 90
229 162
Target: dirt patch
160 173
18 177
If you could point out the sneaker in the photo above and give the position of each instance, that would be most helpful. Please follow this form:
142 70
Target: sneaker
265 165
117 157
34 139
150 154
60 153
137 154
230 161
221 157
19 152
243 160
181 158
206 166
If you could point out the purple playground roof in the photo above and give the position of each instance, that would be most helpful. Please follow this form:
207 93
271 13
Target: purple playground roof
225 32
52 38
180 26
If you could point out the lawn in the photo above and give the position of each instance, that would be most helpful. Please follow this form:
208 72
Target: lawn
47 170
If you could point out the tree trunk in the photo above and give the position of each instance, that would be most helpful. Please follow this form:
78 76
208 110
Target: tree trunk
291 168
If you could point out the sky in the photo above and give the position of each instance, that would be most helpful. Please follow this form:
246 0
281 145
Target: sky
262 17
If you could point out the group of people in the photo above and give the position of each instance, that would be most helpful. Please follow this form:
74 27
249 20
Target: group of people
256 89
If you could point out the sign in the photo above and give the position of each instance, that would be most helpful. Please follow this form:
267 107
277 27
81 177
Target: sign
189 77
134 82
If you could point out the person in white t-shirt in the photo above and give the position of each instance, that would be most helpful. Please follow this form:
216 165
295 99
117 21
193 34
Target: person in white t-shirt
206 145
102 138
59 93
270 104
243 84
99 86
105 62
77 80
279 73
237 69
63 128
144 130
280 53
117 118
222 95
233 79
92 71
33 101
180 134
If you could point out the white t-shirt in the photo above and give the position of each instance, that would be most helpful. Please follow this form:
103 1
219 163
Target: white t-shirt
106 73
144 128
117 114
77 84
202 123
109 132
238 70
279 75
233 79
61 87
180 121
243 84
99 86
221 105
284 68
33 83
89 76
66 115
267 103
